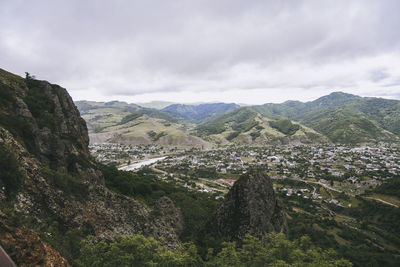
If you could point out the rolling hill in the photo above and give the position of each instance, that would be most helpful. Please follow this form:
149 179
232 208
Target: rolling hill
119 122
198 113
338 118
248 126
343 118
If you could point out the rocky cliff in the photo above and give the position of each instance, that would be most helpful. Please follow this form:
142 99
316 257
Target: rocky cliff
48 176
250 207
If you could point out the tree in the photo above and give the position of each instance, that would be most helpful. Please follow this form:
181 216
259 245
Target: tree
29 77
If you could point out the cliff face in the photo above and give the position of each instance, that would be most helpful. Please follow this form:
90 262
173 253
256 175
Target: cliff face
44 119
250 207
54 178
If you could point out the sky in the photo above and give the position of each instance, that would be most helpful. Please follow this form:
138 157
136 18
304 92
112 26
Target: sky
251 52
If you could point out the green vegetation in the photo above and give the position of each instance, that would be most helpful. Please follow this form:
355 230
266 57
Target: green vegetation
197 208
39 104
159 114
254 135
232 135
66 182
390 187
241 120
212 127
369 237
345 126
155 136
131 117
9 170
201 112
7 94
66 242
20 129
385 112
274 250
130 123
342 117
285 126
16 125
245 126
254 122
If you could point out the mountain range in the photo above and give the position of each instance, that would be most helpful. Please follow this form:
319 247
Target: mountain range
201 112
60 207
338 117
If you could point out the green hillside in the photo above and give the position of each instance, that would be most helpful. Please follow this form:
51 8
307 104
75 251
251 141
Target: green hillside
285 126
201 112
342 117
248 126
338 117
345 125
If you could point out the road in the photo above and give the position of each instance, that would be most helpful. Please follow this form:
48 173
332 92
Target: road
336 190
383 201
139 164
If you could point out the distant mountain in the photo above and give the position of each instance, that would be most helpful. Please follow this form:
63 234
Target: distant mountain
156 104
197 113
119 122
337 117
100 115
342 117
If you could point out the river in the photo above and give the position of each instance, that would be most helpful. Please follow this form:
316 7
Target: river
139 164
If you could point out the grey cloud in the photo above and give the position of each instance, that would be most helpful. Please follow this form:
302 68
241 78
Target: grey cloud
136 47
378 75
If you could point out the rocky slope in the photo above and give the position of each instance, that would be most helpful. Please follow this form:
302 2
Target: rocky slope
26 246
250 207
58 182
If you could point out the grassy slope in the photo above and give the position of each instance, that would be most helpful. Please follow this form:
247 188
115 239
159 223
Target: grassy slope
120 122
343 117
248 126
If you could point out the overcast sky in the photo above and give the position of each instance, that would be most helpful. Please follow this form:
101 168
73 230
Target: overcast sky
206 50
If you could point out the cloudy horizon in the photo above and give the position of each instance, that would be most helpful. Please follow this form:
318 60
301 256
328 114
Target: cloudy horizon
250 52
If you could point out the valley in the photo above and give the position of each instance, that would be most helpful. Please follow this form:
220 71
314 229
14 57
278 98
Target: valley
335 118
191 189
200 133
350 170
330 161
326 188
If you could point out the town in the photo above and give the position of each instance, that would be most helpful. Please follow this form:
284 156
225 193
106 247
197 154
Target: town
335 174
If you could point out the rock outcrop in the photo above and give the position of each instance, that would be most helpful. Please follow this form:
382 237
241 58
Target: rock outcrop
58 181
250 207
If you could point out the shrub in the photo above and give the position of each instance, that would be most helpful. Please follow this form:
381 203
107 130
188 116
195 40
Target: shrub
130 117
285 126
232 135
65 182
9 170
39 104
275 250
